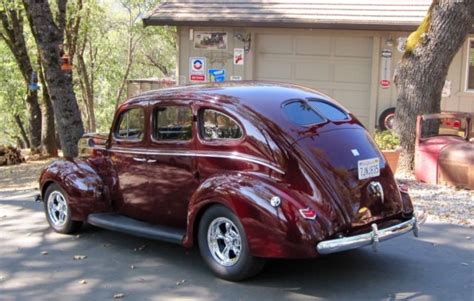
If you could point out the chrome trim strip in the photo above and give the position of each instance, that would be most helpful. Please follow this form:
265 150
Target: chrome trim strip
206 154
371 238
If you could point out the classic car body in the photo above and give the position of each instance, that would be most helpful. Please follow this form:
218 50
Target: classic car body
447 155
293 174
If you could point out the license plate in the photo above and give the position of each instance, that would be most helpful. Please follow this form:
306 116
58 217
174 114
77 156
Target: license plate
368 168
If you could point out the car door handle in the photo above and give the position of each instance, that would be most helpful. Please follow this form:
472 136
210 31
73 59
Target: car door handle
139 159
151 161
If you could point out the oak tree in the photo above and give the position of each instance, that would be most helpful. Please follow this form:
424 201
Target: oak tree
49 36
422 71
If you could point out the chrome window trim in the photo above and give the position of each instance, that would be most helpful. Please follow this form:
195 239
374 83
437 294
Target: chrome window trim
206 154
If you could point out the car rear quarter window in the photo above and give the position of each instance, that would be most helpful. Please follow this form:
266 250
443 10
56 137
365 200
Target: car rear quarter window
216 125
172 123
328 110
131 125
301 113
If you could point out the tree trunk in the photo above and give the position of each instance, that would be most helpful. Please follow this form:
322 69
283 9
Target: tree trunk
48 138
24 136
49 39
12 22
422 71
34 121
87 87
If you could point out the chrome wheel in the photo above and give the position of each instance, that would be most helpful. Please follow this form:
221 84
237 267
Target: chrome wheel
224 241
389 121
57 208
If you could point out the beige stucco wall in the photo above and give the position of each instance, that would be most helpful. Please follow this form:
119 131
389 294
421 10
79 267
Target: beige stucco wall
380 99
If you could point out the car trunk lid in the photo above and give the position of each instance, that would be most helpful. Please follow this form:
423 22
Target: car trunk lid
335 156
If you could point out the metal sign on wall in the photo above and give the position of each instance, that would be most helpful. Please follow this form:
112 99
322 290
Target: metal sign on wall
385 69
197 69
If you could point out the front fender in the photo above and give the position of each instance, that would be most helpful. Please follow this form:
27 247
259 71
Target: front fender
272 232
83 185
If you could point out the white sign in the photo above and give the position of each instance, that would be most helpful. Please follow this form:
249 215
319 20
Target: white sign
197 69
239 56
235 78
385 69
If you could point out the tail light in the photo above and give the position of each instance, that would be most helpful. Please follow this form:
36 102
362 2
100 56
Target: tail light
308 213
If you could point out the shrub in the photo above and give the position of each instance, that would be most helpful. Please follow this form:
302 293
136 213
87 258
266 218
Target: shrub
386 140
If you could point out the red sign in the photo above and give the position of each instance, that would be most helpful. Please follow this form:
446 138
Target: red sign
385 83
198 77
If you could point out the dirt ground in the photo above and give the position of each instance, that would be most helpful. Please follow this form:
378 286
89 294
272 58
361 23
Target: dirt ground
21 177
442 203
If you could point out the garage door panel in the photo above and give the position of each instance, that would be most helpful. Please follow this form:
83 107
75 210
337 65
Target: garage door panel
315 70
355 100
317 46
273 69
353 47
338 66
277 44
355 72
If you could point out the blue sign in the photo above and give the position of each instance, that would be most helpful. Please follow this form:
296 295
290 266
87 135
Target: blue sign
216 75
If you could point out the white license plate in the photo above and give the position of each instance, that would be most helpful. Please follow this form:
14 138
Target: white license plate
368 168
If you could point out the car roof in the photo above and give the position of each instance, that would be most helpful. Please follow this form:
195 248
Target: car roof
253 94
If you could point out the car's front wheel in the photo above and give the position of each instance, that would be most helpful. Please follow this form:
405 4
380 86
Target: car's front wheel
58 212
224 246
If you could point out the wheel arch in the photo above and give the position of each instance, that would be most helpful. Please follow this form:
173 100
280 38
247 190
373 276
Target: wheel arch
271 231
82 184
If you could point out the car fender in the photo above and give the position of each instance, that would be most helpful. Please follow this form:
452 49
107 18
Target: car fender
272 231
77 177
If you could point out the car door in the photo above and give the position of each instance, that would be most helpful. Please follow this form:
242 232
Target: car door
171 161
129 141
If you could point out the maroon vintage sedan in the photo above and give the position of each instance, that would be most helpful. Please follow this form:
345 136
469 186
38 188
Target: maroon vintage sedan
247 171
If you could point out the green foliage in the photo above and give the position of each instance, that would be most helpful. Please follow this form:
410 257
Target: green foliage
105 28
12 93
386 140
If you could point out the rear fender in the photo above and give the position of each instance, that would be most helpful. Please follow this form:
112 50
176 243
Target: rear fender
271 231
84 187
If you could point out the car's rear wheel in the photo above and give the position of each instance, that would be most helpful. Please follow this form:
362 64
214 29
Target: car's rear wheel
58 212
224 245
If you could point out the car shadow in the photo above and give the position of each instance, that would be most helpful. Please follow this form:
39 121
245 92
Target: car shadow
404 268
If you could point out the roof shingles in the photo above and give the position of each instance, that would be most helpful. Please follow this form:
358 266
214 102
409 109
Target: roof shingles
363 14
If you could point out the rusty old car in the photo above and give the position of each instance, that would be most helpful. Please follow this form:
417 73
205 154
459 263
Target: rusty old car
444 149
246 171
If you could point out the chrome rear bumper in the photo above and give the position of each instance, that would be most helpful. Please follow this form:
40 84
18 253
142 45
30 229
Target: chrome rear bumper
372 238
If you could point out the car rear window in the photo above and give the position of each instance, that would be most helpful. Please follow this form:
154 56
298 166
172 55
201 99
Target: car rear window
301 113
328 110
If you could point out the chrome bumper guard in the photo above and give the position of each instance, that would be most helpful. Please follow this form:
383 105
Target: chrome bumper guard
372 238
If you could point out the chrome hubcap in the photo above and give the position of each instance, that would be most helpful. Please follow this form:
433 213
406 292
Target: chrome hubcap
57 208
224 241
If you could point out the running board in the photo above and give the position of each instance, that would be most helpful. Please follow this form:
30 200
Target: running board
117 222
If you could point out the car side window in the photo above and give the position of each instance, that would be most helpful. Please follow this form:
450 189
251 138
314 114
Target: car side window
172 123
217 125
131 125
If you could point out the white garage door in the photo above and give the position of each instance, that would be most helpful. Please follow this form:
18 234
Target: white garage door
338 66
